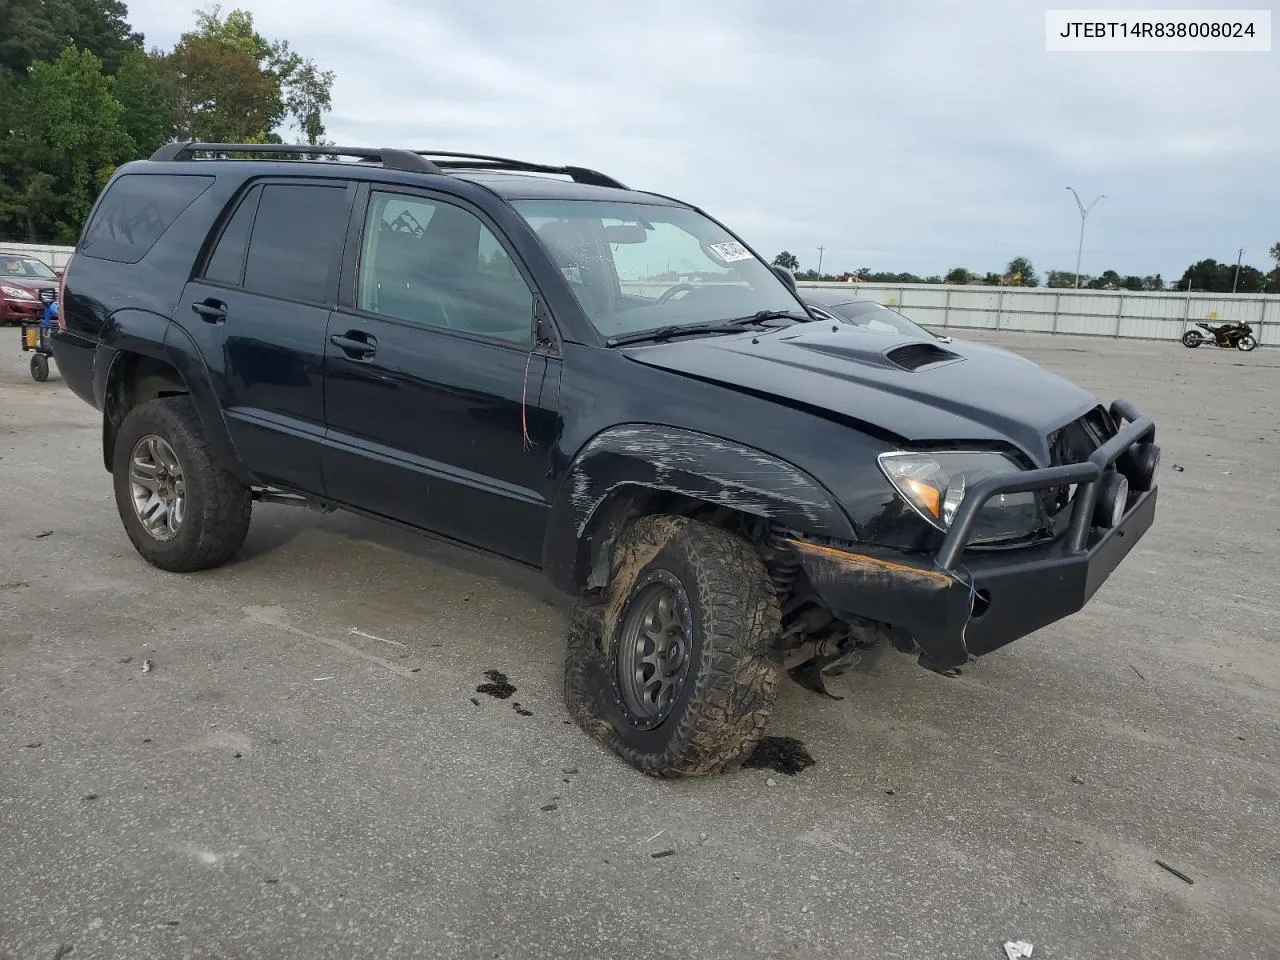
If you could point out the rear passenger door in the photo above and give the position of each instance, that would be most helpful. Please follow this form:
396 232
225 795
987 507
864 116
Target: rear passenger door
442 413
258 309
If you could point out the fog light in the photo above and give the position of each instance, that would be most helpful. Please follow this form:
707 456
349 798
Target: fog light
1113 497
1139 464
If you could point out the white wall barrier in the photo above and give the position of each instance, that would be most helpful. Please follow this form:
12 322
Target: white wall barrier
53 256
1162 315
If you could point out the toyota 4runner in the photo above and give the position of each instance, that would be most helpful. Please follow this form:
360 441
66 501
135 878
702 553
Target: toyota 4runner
602 383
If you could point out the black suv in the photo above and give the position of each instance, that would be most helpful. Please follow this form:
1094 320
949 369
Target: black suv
602 383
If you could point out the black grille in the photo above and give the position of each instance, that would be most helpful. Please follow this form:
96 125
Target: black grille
913 356
49 294
1074 443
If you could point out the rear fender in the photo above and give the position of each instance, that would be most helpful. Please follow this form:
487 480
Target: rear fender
620 467
135 333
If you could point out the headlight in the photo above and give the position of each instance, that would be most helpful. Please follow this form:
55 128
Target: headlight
934 485
17 293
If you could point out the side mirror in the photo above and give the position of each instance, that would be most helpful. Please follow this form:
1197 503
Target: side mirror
787 277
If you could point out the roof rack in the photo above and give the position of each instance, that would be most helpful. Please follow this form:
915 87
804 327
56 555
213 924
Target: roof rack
448 160
389 158
415 161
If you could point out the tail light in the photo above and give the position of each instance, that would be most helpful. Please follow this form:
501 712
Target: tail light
62 297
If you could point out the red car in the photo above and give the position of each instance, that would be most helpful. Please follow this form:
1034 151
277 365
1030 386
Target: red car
26 285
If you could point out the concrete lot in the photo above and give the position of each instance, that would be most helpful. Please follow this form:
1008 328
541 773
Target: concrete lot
304 773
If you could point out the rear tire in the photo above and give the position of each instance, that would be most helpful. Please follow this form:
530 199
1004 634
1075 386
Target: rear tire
39 367
1192 339
162 442
725 609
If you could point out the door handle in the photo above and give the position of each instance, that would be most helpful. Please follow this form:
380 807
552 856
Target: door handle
210 311
355 345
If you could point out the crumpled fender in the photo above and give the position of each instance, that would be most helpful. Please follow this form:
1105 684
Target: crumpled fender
630 460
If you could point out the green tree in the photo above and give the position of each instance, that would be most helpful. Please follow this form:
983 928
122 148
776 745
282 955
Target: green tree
1211 276
39 30
788 260
959 275
145 114
1020 273
64 140
268 84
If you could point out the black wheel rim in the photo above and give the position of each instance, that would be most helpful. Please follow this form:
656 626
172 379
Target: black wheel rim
655 649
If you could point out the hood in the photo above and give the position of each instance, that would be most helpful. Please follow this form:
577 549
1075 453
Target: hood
917 390
34 284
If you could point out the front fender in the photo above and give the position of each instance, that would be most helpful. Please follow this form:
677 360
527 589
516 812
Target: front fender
624 459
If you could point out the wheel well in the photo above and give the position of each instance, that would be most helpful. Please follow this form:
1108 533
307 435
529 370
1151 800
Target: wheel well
626 503
134 379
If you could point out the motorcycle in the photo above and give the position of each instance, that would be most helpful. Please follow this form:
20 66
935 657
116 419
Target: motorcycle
1230 335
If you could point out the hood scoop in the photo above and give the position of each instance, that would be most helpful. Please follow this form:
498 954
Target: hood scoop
914 356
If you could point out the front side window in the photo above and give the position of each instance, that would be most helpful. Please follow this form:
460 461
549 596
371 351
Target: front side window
27 268
637 266
433 263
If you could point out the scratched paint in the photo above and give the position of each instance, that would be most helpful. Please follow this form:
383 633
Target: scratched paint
699 466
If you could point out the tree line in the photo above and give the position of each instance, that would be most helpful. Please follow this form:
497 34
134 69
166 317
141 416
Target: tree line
80 94
1205 276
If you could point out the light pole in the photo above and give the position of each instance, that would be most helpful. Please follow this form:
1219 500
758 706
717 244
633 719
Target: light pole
1084 212
1239 257
820 252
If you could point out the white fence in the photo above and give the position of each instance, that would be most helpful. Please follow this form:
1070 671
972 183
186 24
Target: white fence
1101 313
54 256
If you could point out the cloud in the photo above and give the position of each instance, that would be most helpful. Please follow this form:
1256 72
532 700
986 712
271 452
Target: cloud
918 135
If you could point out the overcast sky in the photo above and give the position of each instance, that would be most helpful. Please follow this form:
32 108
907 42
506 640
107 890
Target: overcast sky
900 136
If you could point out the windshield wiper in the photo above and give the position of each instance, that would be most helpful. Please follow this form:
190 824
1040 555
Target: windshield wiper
677 330
760 316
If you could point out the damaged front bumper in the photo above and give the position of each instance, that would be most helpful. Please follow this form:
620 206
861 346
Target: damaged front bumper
958 606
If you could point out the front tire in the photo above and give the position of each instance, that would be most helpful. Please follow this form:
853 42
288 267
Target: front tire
672 668
183 511
1246 343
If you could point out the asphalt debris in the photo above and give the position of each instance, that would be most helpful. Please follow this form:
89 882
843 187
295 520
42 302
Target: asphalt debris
1175 871
498 686
549 807
780 754
524 712
44 533
147 666
32 746
663 853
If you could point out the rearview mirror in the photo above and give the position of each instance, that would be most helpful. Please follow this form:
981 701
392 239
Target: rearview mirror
787 277
625 233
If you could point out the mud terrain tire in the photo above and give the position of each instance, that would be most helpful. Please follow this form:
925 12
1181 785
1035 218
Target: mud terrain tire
217 508
718 714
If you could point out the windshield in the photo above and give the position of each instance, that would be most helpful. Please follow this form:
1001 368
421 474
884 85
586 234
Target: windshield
639 266
27 267
876 316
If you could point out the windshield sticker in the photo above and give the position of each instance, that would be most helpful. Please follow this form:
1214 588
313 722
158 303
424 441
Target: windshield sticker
572 274
730 251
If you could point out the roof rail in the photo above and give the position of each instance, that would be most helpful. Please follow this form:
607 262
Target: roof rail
448 160
390 158
416 161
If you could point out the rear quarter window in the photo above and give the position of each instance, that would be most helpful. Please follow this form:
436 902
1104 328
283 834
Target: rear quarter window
136 211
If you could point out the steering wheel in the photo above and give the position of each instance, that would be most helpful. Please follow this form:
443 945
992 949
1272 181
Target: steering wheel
672 291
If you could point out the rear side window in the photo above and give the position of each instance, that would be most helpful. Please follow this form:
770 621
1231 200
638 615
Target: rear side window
227 263
296 234
136 211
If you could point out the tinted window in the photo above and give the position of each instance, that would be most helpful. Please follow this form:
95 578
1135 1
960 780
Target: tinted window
298 230
436 264
135 211
227 263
